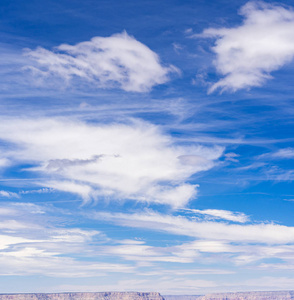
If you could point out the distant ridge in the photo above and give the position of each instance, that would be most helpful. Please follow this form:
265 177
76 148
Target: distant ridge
84 296
277 295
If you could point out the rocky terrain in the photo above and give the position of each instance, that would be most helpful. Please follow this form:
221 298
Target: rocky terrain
281 295
84 296
284 295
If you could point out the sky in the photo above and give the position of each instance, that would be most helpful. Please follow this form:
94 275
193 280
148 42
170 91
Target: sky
146 146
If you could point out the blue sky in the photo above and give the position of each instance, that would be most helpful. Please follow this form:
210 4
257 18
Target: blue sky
146 146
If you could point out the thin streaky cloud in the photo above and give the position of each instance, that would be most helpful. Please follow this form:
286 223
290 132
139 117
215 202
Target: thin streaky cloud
220 214
8 194
268 233
285 153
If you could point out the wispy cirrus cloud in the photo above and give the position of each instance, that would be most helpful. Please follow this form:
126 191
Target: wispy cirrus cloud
118 61
246 244
247 54
281 154
8 194
285 153
220 231
38 246
220 214
133 160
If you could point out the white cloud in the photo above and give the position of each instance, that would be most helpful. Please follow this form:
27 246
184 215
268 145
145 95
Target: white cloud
232 157
106 62
286 153
186 272
32 261
241 252
7 241
145 253
277 266
221 214
4 162
270 282
6 211
238 245
43 247
16 208
246 54
12 225
29 246
38 191
123 161
8 194
216 231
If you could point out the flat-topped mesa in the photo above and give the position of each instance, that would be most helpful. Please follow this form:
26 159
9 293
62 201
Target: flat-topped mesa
280 295
84 296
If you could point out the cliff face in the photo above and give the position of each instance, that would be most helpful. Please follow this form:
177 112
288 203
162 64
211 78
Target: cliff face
84 296
283 295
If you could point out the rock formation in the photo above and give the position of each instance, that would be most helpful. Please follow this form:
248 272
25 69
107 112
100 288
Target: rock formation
281 295
84 296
